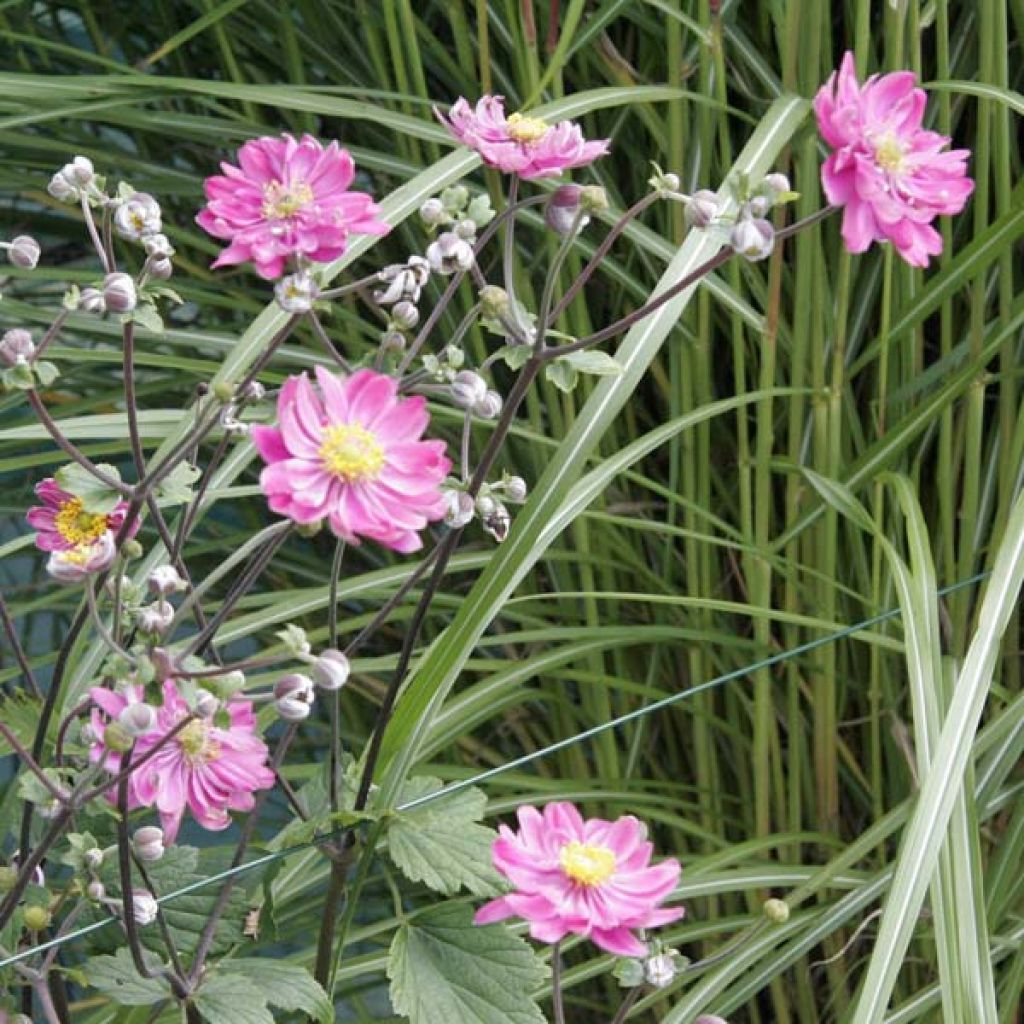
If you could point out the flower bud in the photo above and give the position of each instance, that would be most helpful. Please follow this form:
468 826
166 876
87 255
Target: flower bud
460 508
486 505
308 530
24 252
405 314
131 549
432 213
161 269
91 301
450 254
710 1018
80 171
562 208
296 292
466 229
148 843
137 720
753 239
294 696
96 891
392 341
759 206
137 217
155 618
164 580
660 970
117 738
468 389
776 183
777 911
62 190
158 246
8 878
119 293
515 489
254 391
37 919
455 198
72 565
207 705
489 407
593 199
702 208
494 302
16 346
92 858
144 907
331 670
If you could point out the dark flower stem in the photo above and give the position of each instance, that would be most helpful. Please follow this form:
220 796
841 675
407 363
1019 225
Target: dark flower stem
556 983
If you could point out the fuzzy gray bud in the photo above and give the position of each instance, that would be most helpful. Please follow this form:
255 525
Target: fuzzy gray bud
24 252
164 580
137 720
702 208
294 696
449 254
562 209
460 508
331 670
144 907
432 213
16 346
468 389
405 314
119 293
148 843
91 301
753 239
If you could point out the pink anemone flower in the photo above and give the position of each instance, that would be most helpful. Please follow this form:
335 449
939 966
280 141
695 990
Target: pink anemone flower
207 769
62 524
286 198
352 455
591 878
520 144
891 176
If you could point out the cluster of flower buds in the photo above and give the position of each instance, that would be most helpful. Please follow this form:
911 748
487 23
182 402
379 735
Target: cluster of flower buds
158 256
23 251
454 207
19 368
155 619
117 295
470 392
403 285
295 693
76 181
148 843
489 504
753 235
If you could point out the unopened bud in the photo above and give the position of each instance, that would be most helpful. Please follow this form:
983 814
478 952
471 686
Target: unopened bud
494 302
466 229
161 268
294 696
144 907
563 208
96 891
331 670
460 508
24 252
432 213
776 183
454 198
92 858
8 878
119 293
392 341
594 199
158 246
207 705
164 580
80 171
16 346
468 389
758 206
450 254
148 843
660 970
489 407
37 919
777 911
254 391
309 529
155 618
515 489
136 720
91 301
702 208
405 314
710 1018
132 549
753 239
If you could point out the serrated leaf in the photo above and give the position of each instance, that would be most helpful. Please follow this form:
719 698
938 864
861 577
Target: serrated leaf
116 978
46 372
516 356
598 364
441 844
176 487
562 374
285 985
231 999
145 315
96 497
446 970
20 713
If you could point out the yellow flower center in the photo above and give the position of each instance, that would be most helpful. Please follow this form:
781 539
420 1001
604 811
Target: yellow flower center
76 525
280 200
588 865
889 155
196 744
351 452
526 129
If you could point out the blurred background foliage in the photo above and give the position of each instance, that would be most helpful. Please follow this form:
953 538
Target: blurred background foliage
713 552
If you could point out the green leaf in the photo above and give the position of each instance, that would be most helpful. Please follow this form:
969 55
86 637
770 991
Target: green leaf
446 970
285 985
562 374
594 362
46 372
116 978
440 843
516 356
231 999
146 315
176 487
20 713
96 497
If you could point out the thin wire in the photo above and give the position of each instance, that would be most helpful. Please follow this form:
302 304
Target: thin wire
491 773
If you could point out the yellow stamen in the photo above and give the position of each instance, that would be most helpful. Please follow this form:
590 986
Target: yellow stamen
351 452
196 744
280 200
77 526
889 155
526 129
588 865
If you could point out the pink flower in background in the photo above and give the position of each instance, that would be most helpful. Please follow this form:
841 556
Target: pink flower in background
62 524
205 768
286 198
518 144
591 878
892 177
352 454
